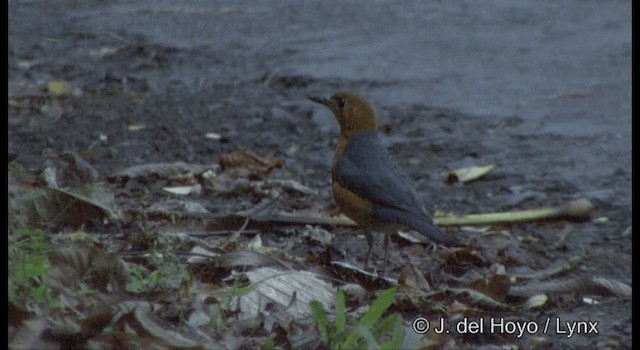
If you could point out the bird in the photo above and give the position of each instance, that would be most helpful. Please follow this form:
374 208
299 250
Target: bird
368 186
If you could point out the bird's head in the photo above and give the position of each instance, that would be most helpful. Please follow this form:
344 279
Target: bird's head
353 112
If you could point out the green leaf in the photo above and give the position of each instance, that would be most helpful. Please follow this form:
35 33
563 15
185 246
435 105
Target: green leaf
364 333
341 312
39 293
378 308
135 286
321 319
215 318
393 325
185 274
241 291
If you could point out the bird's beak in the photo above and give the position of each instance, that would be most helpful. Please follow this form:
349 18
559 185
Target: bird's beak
321 100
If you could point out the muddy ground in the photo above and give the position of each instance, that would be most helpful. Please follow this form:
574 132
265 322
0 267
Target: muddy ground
542 90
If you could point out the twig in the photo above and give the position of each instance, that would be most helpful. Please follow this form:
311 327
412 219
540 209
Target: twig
579 209
576 210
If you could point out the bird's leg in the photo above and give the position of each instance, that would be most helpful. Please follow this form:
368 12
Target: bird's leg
369 236
386 253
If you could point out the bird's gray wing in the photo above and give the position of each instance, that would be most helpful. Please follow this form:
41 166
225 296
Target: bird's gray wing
366 169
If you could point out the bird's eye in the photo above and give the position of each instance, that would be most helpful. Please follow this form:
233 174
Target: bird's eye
341 102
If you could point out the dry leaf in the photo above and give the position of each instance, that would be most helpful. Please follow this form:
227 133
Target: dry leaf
101 270
411 278
184 190
59 88
69 169
277 286
136 127
496 287
536 301
49 207
162 170
468 174
590 301
594 285
247 165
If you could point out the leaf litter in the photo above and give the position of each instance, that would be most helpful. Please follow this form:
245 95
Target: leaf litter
226 288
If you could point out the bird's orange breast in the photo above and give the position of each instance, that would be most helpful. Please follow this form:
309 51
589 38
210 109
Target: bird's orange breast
356 208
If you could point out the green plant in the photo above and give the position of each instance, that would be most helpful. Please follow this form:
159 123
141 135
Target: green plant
270 345
164 271
219 311
370 330
28 265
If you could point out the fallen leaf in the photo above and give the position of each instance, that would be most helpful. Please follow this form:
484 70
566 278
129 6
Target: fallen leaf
136 127
248 165
184 190
468 174
277 286
72 207
162 170
212 136
59 88
495 287
536 301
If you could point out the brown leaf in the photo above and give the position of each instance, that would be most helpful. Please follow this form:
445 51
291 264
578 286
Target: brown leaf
478 299
102 270
244 258
581 285
162 170
69 169
56 208
496 287
460 260
161 330
248 165
412 278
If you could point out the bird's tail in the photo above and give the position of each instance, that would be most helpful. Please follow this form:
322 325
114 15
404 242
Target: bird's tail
431 231
418 222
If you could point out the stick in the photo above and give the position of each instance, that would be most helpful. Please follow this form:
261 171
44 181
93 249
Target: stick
579 209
